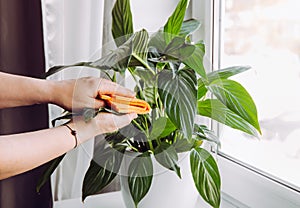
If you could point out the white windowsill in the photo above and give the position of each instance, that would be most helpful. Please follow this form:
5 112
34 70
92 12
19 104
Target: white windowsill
115 200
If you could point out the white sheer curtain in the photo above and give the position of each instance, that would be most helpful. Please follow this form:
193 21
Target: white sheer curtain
74 31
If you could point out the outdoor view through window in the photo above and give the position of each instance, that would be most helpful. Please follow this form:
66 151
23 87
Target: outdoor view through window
265 34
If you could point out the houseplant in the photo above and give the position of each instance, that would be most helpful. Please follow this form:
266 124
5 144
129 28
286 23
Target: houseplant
169 74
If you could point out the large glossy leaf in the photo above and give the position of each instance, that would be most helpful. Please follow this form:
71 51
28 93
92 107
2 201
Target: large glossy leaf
140 174
226 73
178 49
117 59
216 110
102 170
166 155
233 95
140 47
183 145
161 128
122 26
188 27
173 25
178 93
59 68
157 41
195 61
48 172
202 90
206 176
147 84
144 75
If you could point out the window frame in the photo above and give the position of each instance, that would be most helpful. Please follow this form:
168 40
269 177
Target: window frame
242 185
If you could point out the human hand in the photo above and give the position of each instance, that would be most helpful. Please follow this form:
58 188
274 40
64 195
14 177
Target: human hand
102 123
85 92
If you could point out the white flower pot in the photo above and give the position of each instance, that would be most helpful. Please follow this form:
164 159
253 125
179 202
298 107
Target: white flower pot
167 189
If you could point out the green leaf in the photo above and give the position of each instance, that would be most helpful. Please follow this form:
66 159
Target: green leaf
102 170
226 73
183 145
67 116
122 26
188 27
173 25
178 49
140 45
140 174
117 59
56 69
202 90
161 128
157 41
48 172
206 176
216 110
195 61
203 133
145 75
235 97
178 93
166 155
147 89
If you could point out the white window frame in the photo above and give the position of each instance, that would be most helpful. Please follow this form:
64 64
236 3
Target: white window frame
242 185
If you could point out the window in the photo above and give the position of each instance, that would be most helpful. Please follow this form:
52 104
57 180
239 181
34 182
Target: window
265 35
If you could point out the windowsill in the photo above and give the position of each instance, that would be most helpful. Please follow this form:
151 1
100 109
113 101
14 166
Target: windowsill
115 200
253 189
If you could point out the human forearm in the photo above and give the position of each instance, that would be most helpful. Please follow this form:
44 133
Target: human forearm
25 151
20 91
22 152
69 94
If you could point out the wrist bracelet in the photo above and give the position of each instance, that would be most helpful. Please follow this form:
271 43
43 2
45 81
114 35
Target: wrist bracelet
74 133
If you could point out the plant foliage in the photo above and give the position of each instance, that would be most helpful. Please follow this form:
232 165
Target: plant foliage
169 74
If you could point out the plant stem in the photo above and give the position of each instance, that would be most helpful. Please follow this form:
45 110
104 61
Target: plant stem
144 63
132 147
148 136
137 83
114 77
139 126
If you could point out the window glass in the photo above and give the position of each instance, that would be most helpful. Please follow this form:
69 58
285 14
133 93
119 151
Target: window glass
265 34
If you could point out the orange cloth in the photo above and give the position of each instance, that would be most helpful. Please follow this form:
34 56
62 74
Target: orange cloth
126 105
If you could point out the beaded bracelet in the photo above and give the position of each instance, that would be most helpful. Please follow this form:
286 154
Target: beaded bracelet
74 133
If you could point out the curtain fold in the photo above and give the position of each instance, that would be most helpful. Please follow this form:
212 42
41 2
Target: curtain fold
21 52
72 33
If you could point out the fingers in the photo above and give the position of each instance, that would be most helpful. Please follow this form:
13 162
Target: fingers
108 87
108 122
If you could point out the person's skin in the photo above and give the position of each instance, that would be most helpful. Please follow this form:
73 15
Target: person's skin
25 151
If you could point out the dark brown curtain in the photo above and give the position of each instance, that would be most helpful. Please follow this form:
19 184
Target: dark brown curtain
21 52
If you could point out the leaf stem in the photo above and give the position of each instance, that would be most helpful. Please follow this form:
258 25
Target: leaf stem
137 83
139 126
132 147
148 136
144 63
